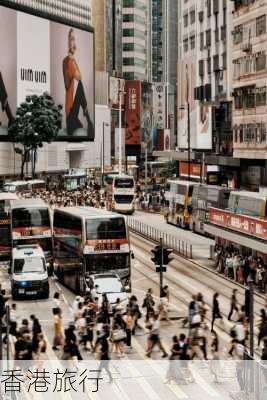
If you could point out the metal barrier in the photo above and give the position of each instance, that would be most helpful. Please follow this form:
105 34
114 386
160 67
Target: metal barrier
253 378
182 247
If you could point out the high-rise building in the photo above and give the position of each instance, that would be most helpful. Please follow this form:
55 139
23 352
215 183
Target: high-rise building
75 10
107 22
249 43
134 39
205 80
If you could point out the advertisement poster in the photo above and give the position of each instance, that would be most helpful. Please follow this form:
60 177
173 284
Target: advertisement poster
159 104
204 126
38 55
147 117
132 114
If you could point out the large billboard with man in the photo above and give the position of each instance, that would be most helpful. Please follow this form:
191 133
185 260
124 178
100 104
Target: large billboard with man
39 55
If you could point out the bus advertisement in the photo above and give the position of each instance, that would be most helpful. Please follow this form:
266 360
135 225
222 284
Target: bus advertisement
90 241
31 224
5 232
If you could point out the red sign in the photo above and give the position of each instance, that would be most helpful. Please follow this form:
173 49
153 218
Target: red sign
240 223
195 169
133 110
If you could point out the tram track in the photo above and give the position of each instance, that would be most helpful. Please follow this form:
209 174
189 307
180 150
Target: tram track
185 282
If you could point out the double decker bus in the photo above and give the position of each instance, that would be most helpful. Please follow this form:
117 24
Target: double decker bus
16 187
31 223
180 203
5 232
90 241
120 193
204 197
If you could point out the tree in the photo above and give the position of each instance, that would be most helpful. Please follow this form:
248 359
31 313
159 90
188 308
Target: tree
38 120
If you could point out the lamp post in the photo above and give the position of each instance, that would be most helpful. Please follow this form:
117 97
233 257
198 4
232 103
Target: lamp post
105 124
188 127
121 93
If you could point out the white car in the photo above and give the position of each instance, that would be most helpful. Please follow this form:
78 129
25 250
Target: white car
111 285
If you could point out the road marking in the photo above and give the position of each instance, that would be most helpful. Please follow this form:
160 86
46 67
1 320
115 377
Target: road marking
179 393
201 382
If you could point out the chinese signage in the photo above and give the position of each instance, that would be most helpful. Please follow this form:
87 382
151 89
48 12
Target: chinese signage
26 233
159 105
240 223
195 169
133 109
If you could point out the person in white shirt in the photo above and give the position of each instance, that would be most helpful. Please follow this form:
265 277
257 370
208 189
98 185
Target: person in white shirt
154 338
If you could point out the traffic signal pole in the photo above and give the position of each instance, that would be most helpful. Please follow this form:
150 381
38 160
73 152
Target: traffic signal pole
251 319
161 269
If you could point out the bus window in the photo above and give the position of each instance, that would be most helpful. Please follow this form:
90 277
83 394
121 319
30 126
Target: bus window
123 183
26 217
113 228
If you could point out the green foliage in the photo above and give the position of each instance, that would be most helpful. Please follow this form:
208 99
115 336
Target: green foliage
38 120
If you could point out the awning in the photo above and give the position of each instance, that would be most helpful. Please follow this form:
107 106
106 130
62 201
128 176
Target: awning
233 237
75 147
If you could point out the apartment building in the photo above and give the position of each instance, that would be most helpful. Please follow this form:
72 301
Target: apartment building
249 89
134 39
205 82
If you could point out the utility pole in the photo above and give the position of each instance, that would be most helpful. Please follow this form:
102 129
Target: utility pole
188 126
251 319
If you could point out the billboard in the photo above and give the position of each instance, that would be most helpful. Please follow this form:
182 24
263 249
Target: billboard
147 117
132 113
159 104
39 55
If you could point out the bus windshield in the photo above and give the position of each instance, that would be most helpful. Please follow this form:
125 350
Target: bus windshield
30 217
104 229
123 183
29 264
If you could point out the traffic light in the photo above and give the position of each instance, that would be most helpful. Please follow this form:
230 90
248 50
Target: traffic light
157 253
166 256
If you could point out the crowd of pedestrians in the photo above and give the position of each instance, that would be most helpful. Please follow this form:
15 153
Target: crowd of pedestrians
242 269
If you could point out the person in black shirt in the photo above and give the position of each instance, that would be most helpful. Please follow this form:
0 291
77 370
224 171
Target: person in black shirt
103 344
216 313
233 304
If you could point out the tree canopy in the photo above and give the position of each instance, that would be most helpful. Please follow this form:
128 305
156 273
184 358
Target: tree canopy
38 120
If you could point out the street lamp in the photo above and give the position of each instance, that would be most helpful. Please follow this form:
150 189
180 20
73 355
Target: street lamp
105 124
188 126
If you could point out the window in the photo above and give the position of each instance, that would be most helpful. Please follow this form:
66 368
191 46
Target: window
261 96
224 60
261 25
185 20
216 35
216 66
209 8
128 32
201 43
128 18
30 217
192 16
192 42
208 37
105 228
128 46
185 45
201 67
209 65
238 34
260 61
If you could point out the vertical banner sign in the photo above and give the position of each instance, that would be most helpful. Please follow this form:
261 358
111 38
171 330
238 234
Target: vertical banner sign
133 109
159 100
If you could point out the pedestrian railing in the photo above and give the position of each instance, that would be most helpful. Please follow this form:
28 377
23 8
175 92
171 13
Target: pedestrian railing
182 247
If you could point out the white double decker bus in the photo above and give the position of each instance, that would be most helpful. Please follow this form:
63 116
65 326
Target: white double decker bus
90 241
120 193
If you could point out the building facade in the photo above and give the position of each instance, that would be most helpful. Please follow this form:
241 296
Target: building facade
107 22
59 156
135 39
249 42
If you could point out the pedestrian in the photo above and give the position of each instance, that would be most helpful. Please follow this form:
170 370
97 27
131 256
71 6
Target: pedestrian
154 338
233 304
216 313
148 304
36 330
129 324
13 318
58 336
262 332
165 293
103 345
174 372
136 313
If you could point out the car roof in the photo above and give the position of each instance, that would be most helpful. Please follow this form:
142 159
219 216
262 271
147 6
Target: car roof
105 276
